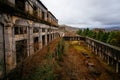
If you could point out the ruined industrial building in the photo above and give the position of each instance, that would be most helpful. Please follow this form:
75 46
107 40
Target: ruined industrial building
27 27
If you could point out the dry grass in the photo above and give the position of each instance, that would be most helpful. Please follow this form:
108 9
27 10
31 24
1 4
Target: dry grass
42 66
74 66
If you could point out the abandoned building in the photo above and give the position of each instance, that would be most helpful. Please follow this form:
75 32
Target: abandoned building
25 27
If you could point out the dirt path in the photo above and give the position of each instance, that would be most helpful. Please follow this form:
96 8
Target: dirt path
79 64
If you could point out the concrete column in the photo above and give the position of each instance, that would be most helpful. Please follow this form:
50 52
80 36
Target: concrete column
100 52
117 67
31 42
14 49
28 42
46 32
40 38
108 60
9 48
89 46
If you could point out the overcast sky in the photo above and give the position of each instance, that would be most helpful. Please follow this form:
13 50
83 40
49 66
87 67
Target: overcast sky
80 13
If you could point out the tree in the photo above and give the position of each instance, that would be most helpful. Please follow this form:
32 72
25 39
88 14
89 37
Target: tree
79 32
112 38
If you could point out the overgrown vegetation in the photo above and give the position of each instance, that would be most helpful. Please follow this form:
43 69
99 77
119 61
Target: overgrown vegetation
112 38
43 68
59 50
45 71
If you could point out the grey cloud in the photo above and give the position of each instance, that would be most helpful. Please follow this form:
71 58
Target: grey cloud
93 12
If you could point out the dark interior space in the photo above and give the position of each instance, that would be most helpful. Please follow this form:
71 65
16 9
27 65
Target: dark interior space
43 40
21 50
36 44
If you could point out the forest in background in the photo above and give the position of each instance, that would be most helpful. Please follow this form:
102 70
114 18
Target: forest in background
112 38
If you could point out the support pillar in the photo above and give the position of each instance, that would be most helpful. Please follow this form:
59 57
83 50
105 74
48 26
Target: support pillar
40 38
28 42
31 42
46 32
117 67
108 61
96 51
9 48
106 58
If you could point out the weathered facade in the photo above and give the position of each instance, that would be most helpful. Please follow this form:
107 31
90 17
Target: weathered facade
25 27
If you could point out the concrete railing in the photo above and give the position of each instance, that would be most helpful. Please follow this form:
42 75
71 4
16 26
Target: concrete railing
108 53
